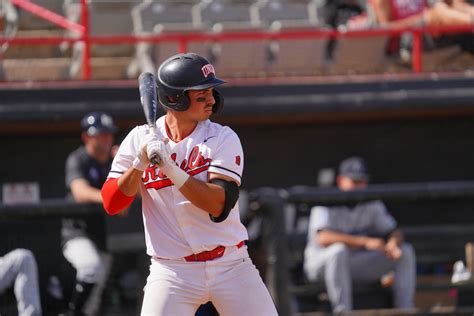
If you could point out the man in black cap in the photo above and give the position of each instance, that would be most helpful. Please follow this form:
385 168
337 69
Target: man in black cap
357 244
86 171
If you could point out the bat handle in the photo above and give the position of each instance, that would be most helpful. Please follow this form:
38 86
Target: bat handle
155 159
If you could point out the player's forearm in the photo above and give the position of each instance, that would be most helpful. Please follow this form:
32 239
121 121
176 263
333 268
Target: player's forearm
382 11
82 192
91 195
130 181
207 196
118 194
411 21
326 238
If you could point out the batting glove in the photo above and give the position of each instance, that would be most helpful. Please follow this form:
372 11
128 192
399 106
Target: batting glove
162 150
159 149
142 162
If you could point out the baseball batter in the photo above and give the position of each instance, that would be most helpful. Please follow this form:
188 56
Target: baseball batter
190 213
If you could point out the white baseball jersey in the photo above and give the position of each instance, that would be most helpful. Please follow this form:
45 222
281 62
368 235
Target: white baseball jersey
174 227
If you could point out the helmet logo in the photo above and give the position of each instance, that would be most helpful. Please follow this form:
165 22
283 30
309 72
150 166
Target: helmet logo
207 70
171 99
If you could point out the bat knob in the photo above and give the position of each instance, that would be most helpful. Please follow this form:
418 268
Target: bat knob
155 159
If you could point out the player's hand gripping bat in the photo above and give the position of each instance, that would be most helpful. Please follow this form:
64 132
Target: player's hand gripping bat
147 86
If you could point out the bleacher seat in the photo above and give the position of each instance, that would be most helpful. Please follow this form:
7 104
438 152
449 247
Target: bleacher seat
36 69
105 18
159 18
297 12
8 29
356 55
8 20
211 12
29 21
26 62
242 58
305 56
450 58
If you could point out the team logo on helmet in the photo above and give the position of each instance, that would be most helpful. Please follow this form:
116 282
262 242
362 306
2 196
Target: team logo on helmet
207 70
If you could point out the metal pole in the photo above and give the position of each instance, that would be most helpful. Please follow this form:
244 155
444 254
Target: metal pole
183 46
417 62
86 65
273 202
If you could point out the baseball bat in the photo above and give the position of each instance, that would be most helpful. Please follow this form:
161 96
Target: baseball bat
147 87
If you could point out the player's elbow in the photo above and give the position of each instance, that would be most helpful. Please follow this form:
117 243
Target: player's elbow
114 201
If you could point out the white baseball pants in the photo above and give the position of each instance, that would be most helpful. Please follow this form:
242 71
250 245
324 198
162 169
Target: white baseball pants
231 282
339 266
18 267
85 258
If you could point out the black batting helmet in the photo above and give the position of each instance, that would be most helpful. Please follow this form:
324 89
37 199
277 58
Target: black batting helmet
96 123
183 72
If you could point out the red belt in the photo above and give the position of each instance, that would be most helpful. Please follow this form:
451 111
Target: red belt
211 254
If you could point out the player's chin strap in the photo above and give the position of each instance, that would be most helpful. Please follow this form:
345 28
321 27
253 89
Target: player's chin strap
231 196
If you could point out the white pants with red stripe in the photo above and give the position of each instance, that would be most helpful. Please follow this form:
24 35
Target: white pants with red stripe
231 283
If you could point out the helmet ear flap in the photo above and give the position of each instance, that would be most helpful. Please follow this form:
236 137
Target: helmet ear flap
174 99
219 101
184 101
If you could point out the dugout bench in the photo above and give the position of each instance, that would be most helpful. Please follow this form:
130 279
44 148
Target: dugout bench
437 239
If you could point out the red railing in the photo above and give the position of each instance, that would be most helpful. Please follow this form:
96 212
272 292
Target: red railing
185 39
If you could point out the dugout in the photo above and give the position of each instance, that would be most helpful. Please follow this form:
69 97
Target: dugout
421 127
410 130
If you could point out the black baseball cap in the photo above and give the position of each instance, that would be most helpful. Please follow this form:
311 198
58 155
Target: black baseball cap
354 168
98 122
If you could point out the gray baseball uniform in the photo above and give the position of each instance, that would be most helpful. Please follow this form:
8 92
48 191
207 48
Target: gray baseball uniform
18 268
338 265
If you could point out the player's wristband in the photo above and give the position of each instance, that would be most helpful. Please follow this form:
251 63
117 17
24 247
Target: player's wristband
175 174
139 165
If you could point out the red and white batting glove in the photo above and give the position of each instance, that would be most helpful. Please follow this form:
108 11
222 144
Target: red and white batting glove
167 165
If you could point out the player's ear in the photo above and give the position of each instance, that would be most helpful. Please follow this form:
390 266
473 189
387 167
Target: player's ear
84 137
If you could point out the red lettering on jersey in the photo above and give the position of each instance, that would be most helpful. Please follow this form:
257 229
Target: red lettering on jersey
159 184
150 174
146 176
237 160
183 164
192 158
173 157
195 164
161 175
